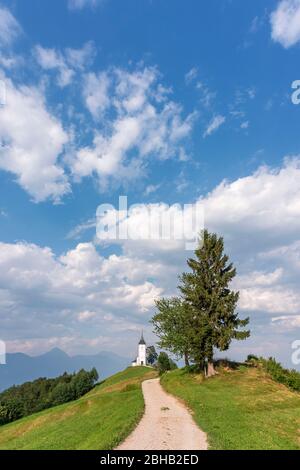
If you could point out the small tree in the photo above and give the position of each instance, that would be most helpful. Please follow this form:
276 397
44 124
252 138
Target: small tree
172 326
151 355
164 363
94 376
212 303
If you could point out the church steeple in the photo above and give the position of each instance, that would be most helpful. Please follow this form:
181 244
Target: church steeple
142 341
141 359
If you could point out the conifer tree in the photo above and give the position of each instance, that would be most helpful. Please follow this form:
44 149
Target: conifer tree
205 289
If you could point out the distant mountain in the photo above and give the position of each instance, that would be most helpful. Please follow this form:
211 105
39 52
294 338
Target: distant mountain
22 368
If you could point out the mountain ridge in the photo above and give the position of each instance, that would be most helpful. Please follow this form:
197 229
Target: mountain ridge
21 367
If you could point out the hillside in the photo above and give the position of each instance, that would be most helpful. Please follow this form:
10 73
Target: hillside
99 420
22 368
240 409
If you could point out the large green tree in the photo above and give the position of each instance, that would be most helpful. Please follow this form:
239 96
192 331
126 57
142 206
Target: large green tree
206 290
171 324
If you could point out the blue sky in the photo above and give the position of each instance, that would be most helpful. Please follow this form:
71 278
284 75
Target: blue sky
165 102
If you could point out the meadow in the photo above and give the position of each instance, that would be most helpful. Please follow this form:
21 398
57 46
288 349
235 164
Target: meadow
99 420
240 409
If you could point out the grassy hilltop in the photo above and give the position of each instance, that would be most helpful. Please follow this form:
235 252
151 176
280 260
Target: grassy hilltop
99 420
240 409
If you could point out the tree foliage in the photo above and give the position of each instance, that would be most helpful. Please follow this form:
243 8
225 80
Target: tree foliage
206 290
172 326
204 317
165 363
31 397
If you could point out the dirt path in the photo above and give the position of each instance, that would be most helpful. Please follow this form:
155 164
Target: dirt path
166 424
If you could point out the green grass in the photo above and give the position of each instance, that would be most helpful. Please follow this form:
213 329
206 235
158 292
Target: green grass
241 409
100 420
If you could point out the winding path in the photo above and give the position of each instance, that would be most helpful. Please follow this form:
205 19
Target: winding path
166 424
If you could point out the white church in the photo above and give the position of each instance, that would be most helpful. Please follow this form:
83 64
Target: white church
141 359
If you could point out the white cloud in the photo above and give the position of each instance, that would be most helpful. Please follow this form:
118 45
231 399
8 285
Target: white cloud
96 93
214 125
152 188
10 61
79 294
80 4
207 95
82 57
265 204
261 279
50 59
287 322
191 75
32 141
281 300
86 315
259 218
66 62
81 228
245 125
9 27
285 22
141 123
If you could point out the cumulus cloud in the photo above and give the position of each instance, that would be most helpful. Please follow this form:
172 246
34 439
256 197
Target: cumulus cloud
9 27
285 23
265 203
259 216
32 142
56 295
141 122
129 120
214 125
96 93
75 294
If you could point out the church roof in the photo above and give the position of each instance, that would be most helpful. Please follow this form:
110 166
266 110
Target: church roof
142 341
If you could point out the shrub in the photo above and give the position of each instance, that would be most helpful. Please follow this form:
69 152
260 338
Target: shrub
251 358
290 378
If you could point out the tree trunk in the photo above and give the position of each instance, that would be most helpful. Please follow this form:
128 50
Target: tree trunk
186 359
210 369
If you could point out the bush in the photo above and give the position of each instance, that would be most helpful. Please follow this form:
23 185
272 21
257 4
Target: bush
251 358
290 378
